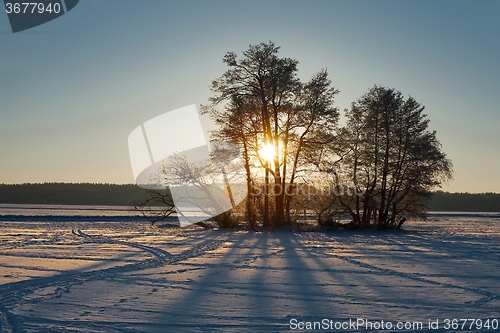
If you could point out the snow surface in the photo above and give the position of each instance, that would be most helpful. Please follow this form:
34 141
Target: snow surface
78 272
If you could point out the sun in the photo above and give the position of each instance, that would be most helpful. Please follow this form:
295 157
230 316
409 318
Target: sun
267 152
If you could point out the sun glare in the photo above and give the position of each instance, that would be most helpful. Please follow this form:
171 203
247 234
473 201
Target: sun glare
267 152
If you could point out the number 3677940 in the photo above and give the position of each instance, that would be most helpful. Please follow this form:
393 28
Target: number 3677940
32 8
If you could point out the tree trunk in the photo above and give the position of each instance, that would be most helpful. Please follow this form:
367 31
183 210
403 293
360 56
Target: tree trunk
279 194
250 197
266 200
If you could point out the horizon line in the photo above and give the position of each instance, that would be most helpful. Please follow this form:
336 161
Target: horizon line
133 184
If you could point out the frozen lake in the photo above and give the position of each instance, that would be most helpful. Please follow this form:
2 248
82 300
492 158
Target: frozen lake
103 269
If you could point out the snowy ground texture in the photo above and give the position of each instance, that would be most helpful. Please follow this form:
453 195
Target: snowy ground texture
105 270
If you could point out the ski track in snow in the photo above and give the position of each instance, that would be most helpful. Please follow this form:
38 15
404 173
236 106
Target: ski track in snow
129 277
11 294
486 296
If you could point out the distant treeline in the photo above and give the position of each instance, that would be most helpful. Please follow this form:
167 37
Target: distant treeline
465 202
125 195
72 194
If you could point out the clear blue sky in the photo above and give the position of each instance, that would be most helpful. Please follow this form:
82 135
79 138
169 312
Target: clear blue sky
73 89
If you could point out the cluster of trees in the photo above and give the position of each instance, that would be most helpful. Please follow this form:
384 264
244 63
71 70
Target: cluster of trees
379 168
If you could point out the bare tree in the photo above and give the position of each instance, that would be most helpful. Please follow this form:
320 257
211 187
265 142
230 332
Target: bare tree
157 206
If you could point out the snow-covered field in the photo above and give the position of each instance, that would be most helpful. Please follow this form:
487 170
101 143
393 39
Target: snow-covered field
102 269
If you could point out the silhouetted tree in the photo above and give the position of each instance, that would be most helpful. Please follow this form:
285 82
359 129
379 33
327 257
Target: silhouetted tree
157 206
265 104
388 153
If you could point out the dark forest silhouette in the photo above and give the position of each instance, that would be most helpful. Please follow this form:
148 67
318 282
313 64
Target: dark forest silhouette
126 195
